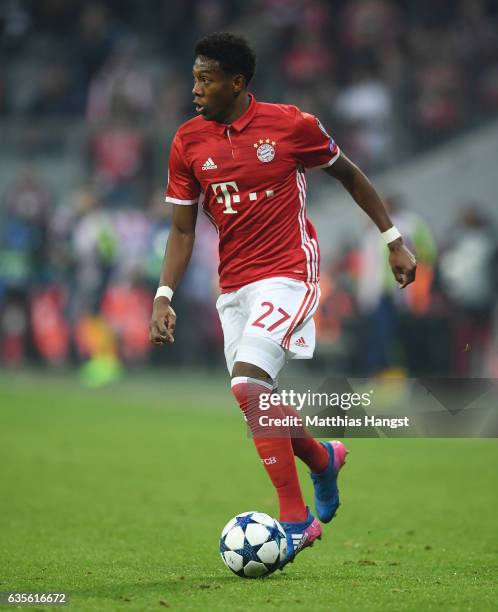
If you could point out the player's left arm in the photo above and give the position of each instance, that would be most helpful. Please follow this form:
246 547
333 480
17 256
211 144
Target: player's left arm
401 260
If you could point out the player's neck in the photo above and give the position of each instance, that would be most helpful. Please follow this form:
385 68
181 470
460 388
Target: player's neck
241 104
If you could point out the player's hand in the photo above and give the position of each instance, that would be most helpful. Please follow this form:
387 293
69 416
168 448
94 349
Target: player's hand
402 262
162 323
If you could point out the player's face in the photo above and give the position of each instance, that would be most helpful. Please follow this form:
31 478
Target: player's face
214 91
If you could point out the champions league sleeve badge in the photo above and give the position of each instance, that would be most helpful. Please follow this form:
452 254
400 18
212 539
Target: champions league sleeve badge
332 144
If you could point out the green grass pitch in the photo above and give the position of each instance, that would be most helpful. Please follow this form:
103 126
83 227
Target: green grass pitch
118 496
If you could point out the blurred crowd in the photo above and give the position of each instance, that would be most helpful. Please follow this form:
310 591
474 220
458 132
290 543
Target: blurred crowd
105 84
445 324
386 77
77 281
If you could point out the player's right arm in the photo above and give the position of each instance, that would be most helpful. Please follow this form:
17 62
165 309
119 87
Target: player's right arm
176 258
183 192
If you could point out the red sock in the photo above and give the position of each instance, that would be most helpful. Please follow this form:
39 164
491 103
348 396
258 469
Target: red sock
305 447
274 446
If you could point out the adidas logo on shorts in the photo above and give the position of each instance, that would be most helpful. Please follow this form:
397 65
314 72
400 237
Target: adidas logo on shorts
301 342
209 165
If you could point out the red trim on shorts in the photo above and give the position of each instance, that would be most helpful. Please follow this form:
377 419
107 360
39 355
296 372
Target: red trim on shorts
304 314
306 305
303 303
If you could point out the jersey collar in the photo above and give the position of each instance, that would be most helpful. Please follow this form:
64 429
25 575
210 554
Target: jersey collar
244 120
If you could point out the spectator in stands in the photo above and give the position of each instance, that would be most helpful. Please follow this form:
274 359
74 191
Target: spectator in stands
15 23
388 311
120 87
368 26
132 229
96 38
119 159
23 262
57 94
93 245
364 110
26 206
307 60
439 108
469 276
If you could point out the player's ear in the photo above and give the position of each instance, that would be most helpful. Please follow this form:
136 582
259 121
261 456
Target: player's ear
239 83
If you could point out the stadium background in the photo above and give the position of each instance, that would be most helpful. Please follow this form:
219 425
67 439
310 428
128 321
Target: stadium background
98 495
90 96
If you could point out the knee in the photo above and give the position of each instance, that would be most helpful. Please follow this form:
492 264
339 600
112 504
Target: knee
249 370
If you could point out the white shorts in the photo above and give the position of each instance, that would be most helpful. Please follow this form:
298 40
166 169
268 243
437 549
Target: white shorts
269 322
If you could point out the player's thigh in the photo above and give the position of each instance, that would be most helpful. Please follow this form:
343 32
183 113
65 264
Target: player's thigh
278 309
233 318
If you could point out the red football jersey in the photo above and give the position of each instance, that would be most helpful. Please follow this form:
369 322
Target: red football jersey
249 178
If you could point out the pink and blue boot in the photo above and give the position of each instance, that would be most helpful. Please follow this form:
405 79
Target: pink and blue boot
325 483
300 536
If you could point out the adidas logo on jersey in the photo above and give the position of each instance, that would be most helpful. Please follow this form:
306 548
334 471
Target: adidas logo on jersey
209 165
300 342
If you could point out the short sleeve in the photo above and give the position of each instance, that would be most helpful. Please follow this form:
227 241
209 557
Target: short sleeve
315 148
183 187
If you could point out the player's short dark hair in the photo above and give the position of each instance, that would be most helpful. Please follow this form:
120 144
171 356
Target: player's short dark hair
233 53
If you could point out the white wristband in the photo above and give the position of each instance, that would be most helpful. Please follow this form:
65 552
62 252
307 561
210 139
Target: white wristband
391 234
164 291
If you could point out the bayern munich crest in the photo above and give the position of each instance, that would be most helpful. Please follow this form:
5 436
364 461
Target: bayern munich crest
265 150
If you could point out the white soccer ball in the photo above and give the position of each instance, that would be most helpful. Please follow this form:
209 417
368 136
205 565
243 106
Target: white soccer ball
253 545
